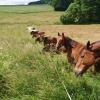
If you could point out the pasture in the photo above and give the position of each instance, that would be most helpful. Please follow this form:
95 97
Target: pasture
26 73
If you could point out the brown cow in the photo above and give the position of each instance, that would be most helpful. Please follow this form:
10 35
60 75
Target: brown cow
73 48
90 55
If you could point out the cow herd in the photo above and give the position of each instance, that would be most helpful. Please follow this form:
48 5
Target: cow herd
82 56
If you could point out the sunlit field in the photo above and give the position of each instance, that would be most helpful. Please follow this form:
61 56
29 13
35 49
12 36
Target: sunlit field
27 73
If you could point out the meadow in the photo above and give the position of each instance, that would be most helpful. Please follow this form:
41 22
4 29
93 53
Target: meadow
27 73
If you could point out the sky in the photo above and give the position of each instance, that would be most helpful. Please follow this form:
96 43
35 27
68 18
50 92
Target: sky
15 2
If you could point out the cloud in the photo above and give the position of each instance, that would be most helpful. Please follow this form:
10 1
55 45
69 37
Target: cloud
15 2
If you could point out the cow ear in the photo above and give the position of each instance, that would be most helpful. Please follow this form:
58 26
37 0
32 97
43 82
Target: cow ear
88 45
63 34
58 34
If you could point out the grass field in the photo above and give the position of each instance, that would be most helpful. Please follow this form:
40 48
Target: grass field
26 73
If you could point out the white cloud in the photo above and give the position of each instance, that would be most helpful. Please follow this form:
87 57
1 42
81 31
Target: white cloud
15 2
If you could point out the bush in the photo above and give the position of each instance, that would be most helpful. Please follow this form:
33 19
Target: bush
66 19
72 14
82 11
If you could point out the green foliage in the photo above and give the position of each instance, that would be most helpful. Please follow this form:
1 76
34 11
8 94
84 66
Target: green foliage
47 1
36 2
71 14
59 5
82 11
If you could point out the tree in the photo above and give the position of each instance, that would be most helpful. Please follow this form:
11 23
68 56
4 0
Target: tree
82 11
47 1
36 2
59 5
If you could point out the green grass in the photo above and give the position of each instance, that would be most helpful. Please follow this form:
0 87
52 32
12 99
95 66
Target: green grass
26 73
27 14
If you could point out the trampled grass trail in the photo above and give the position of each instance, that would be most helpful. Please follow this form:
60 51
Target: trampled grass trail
27 73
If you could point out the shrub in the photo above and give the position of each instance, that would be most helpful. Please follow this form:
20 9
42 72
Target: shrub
71 15
66 19
82 11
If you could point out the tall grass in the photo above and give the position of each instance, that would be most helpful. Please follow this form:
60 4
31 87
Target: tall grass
27 73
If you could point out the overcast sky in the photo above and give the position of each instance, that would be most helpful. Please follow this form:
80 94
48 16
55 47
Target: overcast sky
15 2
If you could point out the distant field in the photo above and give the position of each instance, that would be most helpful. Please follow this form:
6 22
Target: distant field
45 19
28 74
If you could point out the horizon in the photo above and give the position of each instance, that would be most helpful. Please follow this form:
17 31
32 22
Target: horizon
16 2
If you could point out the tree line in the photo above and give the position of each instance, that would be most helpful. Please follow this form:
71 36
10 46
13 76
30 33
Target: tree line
77 11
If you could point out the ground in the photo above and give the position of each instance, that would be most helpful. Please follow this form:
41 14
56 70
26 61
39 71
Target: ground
26 73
